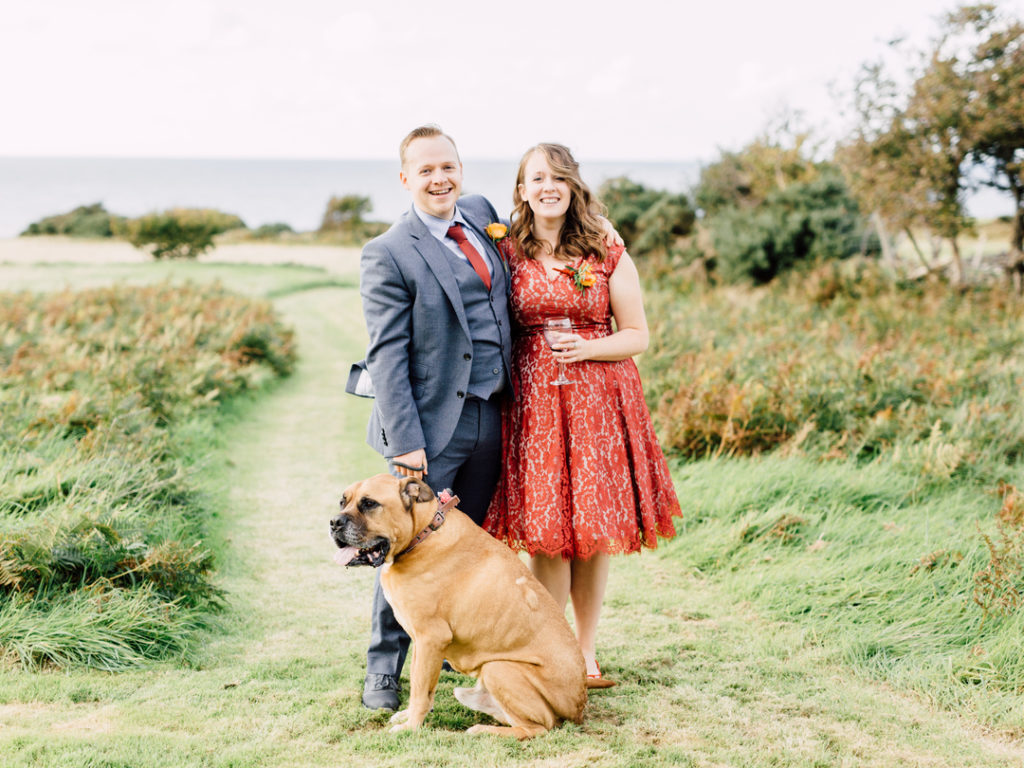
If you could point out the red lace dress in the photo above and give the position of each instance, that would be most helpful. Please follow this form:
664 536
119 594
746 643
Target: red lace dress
582 469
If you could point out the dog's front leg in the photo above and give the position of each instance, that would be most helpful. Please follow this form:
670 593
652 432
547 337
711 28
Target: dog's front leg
427 658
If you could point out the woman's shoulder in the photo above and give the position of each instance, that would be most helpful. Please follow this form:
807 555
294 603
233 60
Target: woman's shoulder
613 254
510 250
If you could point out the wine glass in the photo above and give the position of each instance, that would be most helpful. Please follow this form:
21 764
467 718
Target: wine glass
554 327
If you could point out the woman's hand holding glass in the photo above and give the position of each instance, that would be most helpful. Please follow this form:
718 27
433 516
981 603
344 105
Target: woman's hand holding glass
566 346
557 331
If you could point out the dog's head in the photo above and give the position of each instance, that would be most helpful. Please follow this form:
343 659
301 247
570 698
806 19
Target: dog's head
377 519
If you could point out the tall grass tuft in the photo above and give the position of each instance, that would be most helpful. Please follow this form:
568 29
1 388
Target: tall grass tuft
101 554
97 626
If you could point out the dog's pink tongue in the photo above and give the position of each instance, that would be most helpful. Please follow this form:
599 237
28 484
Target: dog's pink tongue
345 556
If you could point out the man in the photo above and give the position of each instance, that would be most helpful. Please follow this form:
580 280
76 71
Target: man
435 299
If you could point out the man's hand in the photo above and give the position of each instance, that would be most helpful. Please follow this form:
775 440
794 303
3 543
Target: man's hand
413 464
611 237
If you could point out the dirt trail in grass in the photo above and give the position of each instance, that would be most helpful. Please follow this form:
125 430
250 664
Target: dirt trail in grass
293 455
704 681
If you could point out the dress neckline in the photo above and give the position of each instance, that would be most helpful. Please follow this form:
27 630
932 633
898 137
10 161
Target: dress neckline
550 273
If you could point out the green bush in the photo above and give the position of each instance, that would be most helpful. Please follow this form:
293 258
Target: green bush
345 212
626 202
803 222
343 220
660 227
271 231
84 221
179 232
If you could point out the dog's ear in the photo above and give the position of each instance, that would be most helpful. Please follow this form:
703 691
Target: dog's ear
413 490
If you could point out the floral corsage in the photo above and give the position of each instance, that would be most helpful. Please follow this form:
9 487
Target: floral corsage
582 274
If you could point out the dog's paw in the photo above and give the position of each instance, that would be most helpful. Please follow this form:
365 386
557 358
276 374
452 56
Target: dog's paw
400 716
477 729
402 727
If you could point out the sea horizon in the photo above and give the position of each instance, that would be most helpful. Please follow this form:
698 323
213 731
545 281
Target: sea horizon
263 190
294 191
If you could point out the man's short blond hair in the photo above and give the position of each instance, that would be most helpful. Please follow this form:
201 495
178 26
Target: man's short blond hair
427 131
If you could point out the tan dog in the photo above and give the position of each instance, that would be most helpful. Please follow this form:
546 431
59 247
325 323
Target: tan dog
465 597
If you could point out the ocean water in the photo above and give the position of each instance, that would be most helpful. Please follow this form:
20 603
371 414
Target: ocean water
261 191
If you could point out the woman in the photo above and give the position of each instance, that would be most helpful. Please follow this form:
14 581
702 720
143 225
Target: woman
583 475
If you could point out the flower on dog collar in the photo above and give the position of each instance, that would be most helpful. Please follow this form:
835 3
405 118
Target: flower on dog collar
448 500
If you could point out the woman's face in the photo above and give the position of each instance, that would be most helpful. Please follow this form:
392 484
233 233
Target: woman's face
547 195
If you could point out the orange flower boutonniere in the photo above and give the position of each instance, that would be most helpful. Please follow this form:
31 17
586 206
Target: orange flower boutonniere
496 231
582 275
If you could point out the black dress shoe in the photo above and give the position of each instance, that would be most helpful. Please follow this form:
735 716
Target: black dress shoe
381 692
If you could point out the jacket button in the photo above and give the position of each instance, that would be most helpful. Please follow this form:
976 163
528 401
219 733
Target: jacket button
467 356
460 394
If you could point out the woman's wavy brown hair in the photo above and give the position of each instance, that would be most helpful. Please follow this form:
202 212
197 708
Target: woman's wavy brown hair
582 233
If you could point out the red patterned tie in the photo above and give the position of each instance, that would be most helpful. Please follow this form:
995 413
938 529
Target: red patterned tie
476 261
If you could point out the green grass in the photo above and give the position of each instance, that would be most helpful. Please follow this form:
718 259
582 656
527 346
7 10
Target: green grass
102 561
875 564
739 643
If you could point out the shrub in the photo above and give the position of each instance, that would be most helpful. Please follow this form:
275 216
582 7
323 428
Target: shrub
85 221
803 222
343 220
179 232
271 231
345 212
662 225
627 201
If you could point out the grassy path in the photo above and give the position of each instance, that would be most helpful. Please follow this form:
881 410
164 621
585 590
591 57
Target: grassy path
704 681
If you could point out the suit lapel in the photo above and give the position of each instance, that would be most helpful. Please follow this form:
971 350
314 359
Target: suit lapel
436 259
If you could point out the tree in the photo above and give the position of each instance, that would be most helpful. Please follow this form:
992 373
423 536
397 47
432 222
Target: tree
911 158
345 214
878 163
996 110
180 232
780 157
773 205
939 146
343 220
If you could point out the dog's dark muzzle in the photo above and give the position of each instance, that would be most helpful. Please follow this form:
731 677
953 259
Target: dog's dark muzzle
350 537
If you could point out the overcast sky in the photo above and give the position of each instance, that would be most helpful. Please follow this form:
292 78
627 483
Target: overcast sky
633 79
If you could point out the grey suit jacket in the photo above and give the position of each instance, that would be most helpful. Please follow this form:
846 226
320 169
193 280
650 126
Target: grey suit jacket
418 358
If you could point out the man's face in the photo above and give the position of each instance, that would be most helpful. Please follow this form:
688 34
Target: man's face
433 173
